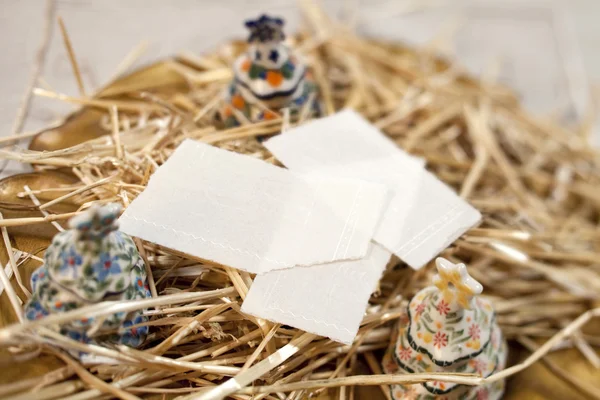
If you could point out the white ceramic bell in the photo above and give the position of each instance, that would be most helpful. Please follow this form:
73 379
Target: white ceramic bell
447 328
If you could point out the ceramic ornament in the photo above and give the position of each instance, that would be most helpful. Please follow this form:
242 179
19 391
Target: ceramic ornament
267 77
447 328
89 263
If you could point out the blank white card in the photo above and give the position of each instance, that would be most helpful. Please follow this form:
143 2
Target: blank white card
424 215
327 300
240 211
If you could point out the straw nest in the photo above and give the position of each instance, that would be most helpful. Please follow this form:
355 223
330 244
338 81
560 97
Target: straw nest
536 251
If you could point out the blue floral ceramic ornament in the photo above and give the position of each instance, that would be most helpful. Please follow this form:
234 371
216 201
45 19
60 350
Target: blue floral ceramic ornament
89 263
267 73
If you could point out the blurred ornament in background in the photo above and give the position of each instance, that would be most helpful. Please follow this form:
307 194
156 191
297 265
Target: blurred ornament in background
268 77
448 329
89 263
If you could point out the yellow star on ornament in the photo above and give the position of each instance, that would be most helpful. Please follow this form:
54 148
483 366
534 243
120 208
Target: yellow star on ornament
455 279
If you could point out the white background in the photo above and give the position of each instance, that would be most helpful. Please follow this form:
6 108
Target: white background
103 32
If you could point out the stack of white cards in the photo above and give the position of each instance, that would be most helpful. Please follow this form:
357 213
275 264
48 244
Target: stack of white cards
318 234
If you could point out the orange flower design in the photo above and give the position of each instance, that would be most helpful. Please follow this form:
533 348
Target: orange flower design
269 115
274 78
475 344
238 101
246 65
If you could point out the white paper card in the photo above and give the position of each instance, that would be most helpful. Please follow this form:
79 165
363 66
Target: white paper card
424 215
242 212
327 300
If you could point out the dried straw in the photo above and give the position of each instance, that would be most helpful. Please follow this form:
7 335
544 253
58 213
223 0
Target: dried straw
536 252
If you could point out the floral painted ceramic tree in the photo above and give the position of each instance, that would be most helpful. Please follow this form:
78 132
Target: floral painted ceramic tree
89 263
267 78
448 329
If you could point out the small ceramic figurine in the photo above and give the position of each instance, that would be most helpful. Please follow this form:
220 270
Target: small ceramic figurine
89 263
448 329
267 73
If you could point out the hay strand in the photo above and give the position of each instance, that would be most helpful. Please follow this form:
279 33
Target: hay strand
536 183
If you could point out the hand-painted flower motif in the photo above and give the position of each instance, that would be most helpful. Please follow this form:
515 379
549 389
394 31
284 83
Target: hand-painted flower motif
58 306
130 325
419 310
37 277
405 353
71 261
439 384
132 334
440 340
106 266
411 394
390 365
482 394
143 287
35 311
443 307
474 331
478 365
75 335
